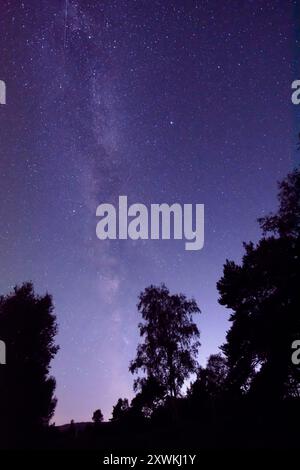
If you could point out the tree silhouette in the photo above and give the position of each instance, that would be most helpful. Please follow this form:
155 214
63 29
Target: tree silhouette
120 410
167 354
28 327
286 222
97 416
151 395
211 379
263 293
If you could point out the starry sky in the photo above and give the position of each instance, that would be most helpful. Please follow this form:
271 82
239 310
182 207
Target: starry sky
162 101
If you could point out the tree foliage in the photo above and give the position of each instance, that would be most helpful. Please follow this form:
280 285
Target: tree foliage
211 380
28 327
263 294
120 410
167 354
97 416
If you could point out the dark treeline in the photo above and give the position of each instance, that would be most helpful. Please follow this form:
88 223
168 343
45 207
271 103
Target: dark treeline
247 396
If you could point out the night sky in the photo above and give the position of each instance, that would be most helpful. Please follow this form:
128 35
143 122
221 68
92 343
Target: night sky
162 101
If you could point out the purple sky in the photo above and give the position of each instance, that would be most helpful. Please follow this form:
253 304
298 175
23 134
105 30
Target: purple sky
163 101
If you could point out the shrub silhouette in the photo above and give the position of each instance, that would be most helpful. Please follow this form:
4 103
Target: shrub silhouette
97 416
